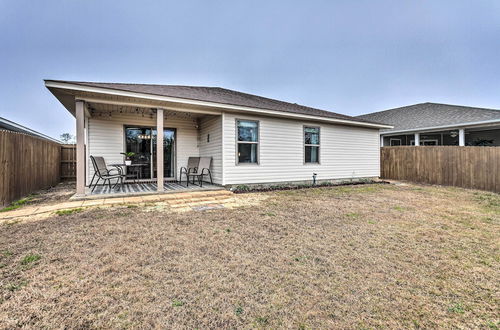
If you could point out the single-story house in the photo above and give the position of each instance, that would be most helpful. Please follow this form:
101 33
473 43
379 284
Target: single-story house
8 125
434 124
251 139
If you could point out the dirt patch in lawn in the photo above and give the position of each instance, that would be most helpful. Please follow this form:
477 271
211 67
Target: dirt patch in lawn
53 195
50 196
57 194
341 257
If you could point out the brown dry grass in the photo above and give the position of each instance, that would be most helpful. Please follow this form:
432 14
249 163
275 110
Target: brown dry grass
343 257
58 194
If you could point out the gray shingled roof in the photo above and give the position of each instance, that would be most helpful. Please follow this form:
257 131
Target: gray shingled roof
219 95
9 125
425 115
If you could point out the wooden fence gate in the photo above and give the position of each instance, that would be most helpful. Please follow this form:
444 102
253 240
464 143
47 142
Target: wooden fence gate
68 162
467 167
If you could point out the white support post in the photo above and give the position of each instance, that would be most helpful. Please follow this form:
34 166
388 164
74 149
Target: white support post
461 137
417 139
80 147
159 149
223 140
381 141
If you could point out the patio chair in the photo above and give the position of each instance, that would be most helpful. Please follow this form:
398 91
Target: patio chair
202 170
102 172
192 166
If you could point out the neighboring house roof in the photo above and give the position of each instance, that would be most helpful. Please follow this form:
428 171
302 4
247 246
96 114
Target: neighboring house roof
8 125
218 95
432 116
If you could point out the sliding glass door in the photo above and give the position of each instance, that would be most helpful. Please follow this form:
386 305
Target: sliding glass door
138 141
142 142
168 152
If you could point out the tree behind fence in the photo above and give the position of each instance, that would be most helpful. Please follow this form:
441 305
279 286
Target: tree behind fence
27 164
467 167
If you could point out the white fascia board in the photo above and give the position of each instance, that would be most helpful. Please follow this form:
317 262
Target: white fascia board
146 105
437 128
109 91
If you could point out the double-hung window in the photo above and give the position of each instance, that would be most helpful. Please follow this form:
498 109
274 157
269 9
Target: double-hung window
311 145
247 141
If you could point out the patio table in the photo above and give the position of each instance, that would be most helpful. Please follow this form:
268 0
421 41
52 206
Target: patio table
137 170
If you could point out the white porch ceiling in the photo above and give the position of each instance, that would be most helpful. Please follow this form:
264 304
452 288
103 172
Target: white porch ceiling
100 109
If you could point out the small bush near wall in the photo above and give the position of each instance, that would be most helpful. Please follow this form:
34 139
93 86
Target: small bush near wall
240 189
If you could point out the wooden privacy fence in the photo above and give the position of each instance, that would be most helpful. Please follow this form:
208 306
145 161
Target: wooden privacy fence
68 162
467 167
27 163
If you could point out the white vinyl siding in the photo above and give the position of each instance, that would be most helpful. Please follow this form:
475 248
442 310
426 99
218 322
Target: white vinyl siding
346 152
212 125
106 137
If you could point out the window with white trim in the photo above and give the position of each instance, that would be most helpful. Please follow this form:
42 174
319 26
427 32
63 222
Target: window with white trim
395 142
311 145
247 141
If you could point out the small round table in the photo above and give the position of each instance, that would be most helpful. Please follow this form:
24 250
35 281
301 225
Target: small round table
133 171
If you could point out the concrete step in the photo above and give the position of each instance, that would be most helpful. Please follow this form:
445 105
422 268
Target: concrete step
185 195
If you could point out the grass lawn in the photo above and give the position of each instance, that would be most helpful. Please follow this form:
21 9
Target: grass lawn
343 257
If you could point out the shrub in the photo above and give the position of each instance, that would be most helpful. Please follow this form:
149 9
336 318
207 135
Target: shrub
242 188
245 188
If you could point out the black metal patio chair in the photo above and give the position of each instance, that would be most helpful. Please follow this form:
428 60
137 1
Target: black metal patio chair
200 171
102 172
192 166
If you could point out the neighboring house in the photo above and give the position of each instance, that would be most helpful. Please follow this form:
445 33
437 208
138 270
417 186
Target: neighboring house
8 125
438 124
251 139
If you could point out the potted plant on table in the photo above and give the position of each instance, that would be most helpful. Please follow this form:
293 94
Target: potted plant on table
128 157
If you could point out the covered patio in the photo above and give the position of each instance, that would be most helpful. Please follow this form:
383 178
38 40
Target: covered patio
147 188
161 132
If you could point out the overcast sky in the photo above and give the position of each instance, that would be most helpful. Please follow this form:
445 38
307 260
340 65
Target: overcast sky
351 57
